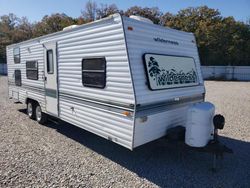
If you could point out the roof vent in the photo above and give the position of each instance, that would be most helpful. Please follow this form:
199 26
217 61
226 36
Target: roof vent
70 27
140 18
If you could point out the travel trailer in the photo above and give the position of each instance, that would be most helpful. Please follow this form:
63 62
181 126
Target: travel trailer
124 79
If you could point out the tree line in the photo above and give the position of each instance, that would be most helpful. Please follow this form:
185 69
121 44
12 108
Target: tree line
221 40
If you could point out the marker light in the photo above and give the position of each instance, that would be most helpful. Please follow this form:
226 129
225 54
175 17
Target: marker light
126 113
130 28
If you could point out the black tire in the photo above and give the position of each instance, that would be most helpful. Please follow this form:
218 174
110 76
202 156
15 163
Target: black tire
40 116
31 109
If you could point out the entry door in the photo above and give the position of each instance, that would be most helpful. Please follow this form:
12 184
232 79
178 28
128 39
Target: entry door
50 78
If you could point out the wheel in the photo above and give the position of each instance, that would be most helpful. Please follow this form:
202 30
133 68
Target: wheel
40 116
30 110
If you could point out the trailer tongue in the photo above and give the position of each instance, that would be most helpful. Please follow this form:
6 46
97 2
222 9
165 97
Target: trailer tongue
201 132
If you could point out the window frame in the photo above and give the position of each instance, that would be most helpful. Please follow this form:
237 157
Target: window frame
32 69
47 60
104 71
18 82
15 55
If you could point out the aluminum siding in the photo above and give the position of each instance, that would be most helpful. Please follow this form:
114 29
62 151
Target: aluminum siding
140 40
30 88
104 39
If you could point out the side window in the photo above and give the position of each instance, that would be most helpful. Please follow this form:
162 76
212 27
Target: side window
18 78
16 53
94 72
50 62
32 70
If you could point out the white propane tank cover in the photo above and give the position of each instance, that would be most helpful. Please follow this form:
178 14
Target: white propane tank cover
199 124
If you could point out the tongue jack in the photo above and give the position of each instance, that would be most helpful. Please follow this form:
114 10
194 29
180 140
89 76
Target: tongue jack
219 122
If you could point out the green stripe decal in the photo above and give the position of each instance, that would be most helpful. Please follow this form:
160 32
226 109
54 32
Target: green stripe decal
51 93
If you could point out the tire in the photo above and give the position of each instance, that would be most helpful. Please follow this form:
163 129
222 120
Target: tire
31 109
40 116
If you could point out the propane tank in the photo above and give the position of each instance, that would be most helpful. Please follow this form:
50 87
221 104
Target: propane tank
199 124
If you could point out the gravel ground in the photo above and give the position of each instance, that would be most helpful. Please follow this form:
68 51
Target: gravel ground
62 155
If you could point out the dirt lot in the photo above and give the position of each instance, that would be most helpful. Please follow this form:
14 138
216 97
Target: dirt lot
60 154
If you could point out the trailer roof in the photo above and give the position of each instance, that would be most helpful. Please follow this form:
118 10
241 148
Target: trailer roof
63 31
83 26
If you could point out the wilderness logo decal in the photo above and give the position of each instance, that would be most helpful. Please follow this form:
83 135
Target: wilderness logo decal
157 39
170 72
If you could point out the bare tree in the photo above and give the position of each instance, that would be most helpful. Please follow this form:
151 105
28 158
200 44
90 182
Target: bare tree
106 10
89 13
248 22
13 30
153 13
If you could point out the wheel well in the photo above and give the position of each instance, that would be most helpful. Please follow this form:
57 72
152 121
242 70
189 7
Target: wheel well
34 101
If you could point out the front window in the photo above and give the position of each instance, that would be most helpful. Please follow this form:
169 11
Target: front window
165 71
32 70
16 52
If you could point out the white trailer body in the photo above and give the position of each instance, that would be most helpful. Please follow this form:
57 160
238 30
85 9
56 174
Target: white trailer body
123 79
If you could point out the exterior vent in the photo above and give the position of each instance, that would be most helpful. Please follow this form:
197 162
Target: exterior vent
140 18
70 27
